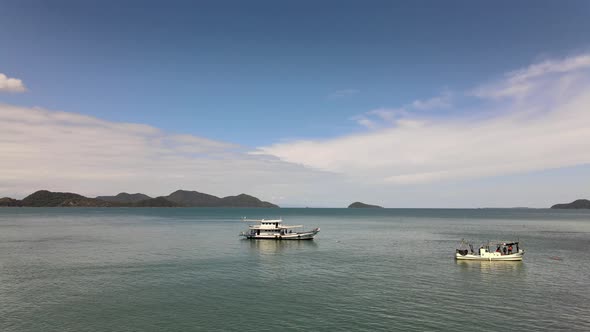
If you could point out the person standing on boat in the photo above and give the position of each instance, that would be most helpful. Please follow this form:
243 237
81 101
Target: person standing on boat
509 249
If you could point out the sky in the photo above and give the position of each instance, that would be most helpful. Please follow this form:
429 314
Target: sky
302 103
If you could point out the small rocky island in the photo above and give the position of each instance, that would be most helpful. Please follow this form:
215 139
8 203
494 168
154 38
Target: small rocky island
179 198
359 205
577 204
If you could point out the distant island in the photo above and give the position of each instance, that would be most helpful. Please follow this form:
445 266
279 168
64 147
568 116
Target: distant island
577 204
359 205
179 198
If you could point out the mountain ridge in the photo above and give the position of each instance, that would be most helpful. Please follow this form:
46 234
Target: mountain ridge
125 198
198 199
179 198
577 204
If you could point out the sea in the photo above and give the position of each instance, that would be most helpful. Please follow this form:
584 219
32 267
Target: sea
186 269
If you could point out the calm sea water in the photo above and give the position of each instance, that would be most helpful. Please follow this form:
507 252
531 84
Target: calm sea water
187 269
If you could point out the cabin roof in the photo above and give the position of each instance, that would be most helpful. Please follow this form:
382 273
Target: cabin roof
263 220
280 227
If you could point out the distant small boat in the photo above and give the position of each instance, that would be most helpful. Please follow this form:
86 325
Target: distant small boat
273 229
492 251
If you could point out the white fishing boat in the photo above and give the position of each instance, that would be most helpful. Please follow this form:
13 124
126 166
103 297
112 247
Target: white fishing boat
273 229
492 251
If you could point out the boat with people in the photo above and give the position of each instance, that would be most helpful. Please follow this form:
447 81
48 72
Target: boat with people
273 229
491 251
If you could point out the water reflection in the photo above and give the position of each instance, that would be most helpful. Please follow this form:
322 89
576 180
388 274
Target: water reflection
510 267
500 275
275 247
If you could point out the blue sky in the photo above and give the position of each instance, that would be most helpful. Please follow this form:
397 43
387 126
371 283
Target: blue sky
254 71
268 75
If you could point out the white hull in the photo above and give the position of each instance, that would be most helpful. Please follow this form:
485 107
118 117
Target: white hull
489 257
290 236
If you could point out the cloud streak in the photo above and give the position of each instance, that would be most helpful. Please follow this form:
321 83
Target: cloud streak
539 120
440 102
9 84
343 93
384 117
521 83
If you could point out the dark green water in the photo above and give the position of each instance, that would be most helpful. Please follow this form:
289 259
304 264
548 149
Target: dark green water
392 269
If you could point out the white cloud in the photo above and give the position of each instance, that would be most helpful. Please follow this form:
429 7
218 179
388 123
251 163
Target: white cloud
9 84
546 127
529 134
63 151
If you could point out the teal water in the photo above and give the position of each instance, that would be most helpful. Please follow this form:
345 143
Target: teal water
187 270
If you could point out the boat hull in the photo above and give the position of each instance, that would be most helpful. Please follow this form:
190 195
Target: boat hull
470 257
290 236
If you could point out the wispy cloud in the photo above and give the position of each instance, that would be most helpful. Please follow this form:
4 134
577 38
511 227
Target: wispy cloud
380 117
9 84
387 117
545 125
343 93
521 83
439 102
74 152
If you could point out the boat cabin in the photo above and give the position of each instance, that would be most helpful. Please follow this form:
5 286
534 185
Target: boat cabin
274 229
271 227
